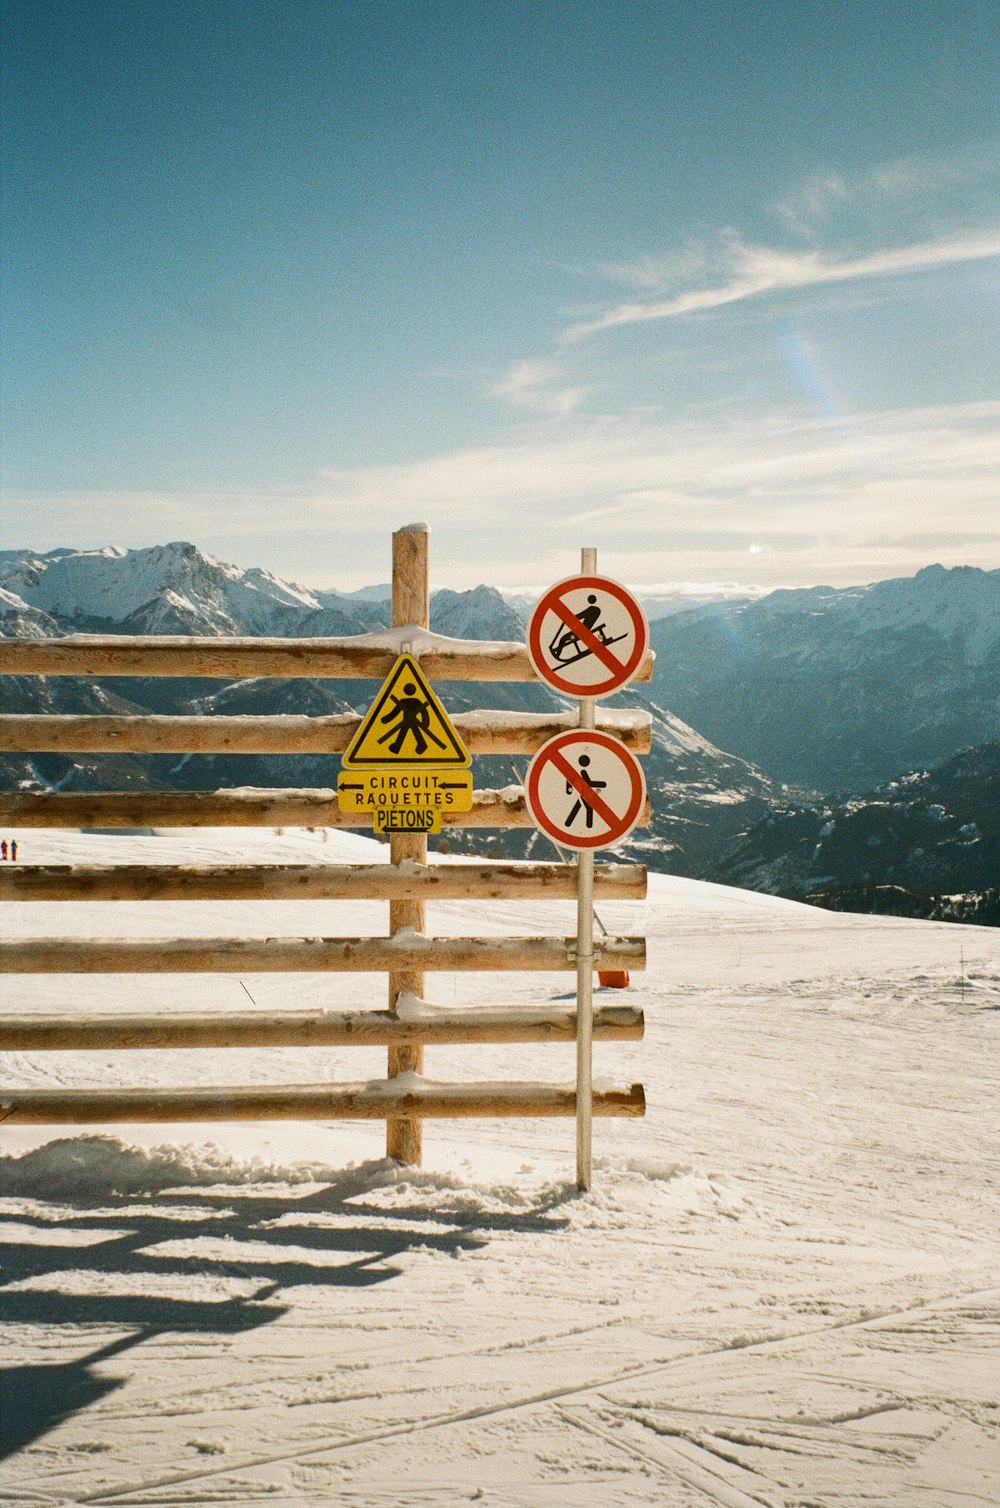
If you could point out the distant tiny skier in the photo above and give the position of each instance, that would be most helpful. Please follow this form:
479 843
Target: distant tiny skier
3 848
565 647
581 801
411 716
13 849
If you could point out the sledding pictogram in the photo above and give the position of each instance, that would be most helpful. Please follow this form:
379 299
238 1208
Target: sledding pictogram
405 725
587 636
584 790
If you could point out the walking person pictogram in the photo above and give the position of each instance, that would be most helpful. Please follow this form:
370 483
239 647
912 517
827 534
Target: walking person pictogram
411 716
581 801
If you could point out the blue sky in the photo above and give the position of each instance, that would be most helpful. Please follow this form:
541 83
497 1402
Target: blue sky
712 287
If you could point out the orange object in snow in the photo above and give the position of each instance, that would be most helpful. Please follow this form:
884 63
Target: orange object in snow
613 979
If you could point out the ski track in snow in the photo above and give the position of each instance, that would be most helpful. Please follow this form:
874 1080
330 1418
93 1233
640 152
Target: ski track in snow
783 1290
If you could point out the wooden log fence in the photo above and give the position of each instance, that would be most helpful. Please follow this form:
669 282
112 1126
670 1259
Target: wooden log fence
366 655
253 807
411 604
312 882
482 733
401 1098
102 1032
402 951
406 1098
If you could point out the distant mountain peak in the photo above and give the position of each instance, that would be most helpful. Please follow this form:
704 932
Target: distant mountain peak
841 687
179 588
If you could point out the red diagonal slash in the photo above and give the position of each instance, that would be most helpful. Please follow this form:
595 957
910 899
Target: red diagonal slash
563 611
608 816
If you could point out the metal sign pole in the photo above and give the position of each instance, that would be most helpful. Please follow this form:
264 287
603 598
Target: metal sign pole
585 967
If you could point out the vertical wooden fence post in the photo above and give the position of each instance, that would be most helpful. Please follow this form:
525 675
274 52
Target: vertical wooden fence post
410 606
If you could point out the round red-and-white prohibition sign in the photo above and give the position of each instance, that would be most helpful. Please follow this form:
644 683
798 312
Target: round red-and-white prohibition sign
587 636
585 790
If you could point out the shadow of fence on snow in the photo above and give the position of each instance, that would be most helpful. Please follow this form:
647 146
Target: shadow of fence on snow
139 1261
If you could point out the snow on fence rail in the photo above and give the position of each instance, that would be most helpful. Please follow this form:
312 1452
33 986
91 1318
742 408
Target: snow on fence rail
405 1099
404 949
372 655
314 882
482 732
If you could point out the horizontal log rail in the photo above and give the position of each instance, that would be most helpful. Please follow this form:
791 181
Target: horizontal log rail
299 882
407 1095
243 807
482 732
403 951
370 1028
369 656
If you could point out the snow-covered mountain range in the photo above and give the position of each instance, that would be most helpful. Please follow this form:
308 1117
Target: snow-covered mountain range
822 688
702 796
169 589
926 844
841 689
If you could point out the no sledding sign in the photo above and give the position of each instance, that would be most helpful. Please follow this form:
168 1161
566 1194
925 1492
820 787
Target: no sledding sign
587 636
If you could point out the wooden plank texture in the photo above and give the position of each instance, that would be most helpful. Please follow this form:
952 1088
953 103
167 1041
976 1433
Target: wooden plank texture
300 882
411 603
106 1032
404 952
366 656
482 733
407 1097
247 807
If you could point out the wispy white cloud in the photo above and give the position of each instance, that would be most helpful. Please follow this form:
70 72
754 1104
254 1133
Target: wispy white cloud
697 499
933 184
779 501
760 270
538 385
657 273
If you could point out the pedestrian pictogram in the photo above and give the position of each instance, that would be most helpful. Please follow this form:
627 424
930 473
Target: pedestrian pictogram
406 724
587 636
585 790
583 802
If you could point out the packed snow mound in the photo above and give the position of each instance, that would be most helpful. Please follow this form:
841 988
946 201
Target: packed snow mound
83 1168
630 1192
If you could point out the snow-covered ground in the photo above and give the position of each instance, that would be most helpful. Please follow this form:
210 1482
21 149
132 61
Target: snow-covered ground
783 1290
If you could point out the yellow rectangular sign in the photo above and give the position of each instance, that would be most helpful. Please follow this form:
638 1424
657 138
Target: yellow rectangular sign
405 789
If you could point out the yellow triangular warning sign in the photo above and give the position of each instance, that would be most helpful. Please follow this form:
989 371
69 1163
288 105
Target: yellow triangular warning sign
406 724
